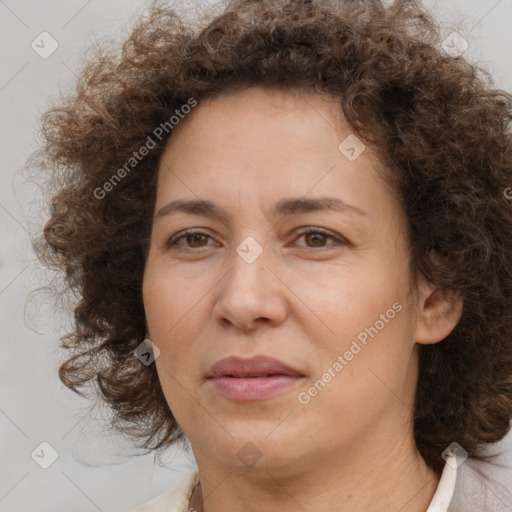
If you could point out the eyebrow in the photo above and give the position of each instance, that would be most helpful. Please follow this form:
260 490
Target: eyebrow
284 207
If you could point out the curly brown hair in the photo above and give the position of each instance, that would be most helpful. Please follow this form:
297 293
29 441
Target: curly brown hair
437 123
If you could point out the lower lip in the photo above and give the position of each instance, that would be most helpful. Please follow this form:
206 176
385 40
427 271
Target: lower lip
253 388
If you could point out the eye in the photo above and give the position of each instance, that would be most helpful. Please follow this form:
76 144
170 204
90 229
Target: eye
317 237
193 239
314 237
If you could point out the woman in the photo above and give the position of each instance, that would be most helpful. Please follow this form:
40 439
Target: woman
291 238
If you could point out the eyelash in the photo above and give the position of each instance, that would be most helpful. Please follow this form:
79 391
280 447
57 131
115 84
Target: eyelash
339 241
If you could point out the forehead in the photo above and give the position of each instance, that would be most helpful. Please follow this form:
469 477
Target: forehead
289 114
267 144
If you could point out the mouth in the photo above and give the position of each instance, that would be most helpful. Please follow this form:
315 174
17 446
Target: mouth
257 378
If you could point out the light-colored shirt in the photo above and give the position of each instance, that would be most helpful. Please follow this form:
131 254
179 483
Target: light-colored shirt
177 498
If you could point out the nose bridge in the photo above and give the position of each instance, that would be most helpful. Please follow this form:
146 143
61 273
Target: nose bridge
249 261
250 291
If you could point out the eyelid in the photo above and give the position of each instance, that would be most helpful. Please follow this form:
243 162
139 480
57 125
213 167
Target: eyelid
322 231
339 240
181 234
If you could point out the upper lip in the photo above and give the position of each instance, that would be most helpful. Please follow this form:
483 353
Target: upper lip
255 366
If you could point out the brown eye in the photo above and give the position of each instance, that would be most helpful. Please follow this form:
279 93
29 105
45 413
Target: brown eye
193 240
317 238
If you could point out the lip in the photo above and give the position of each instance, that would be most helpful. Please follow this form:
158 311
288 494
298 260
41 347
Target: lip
257 378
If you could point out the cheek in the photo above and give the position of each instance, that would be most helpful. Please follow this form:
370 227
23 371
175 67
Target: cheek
175 315
365 369
349 297
169 298
369 320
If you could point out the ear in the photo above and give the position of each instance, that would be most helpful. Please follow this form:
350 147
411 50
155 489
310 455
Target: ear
438 312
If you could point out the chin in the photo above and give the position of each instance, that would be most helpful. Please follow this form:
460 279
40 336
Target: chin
259 447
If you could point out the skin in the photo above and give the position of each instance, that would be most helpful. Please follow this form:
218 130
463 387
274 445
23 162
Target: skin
303 301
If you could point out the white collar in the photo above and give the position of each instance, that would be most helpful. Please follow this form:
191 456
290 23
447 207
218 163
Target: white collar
444 492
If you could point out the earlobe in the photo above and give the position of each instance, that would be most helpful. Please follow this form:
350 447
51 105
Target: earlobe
439 311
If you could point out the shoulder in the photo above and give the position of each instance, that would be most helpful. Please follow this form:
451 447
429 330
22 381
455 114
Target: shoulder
482 486
175 499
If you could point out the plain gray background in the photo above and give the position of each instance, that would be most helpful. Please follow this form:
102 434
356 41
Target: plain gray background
93 470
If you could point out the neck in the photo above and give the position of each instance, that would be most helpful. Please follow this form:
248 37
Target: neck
399 481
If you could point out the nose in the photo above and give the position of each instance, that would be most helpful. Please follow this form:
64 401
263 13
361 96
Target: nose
251 294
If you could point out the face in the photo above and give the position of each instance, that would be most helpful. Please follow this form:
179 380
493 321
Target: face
264 268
